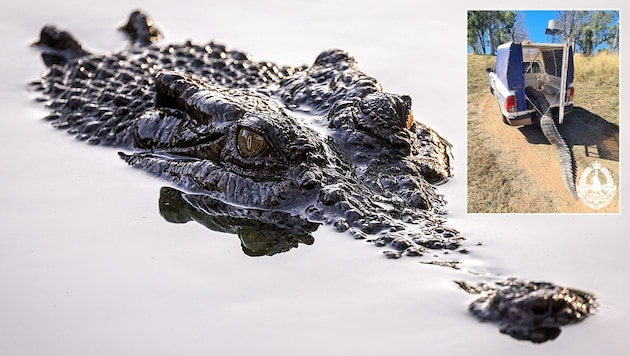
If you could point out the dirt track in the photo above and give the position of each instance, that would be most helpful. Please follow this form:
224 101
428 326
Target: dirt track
589 136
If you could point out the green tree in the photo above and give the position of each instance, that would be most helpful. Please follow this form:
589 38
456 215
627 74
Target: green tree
488 29
590 29
518 31
476 32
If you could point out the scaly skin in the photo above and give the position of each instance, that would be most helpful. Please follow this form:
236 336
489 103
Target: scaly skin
529 310
322 141
268 151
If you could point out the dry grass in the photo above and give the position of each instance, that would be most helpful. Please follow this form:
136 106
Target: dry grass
477 77
602 67
496 184
597 84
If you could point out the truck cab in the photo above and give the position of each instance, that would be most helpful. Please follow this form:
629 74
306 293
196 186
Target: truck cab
530 79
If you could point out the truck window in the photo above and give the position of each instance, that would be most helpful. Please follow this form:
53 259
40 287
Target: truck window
531 67
553 62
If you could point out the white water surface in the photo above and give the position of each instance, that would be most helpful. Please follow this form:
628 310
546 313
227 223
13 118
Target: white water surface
88 266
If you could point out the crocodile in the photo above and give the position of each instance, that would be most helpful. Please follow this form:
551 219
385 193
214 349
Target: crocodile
266 151
324 139
549 129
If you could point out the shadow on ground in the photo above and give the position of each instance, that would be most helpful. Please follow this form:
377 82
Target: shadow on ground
598 137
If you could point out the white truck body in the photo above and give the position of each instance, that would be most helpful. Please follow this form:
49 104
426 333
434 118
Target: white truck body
544 68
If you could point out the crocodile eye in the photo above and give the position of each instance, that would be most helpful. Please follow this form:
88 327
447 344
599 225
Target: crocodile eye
251 144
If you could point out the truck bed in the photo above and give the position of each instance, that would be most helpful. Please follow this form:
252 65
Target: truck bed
547 84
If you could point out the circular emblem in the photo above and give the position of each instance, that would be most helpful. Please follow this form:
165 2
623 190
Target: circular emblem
594 191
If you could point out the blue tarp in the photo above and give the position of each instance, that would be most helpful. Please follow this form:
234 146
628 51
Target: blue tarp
509 70
570 68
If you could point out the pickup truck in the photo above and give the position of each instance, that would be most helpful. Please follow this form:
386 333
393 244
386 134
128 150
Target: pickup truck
530 80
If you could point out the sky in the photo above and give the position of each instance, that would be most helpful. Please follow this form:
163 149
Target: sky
536 22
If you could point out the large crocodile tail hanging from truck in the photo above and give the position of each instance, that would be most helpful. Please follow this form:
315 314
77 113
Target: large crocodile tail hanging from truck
567 170
549 129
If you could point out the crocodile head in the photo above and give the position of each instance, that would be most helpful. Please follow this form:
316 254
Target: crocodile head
234 144
323 141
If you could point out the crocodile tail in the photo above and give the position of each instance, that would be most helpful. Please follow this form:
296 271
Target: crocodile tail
567 170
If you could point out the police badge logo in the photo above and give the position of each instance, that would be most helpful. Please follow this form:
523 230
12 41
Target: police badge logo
592 191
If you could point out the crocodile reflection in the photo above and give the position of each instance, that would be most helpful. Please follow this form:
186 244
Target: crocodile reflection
261 232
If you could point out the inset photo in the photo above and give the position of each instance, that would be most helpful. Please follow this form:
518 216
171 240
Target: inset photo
543 112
